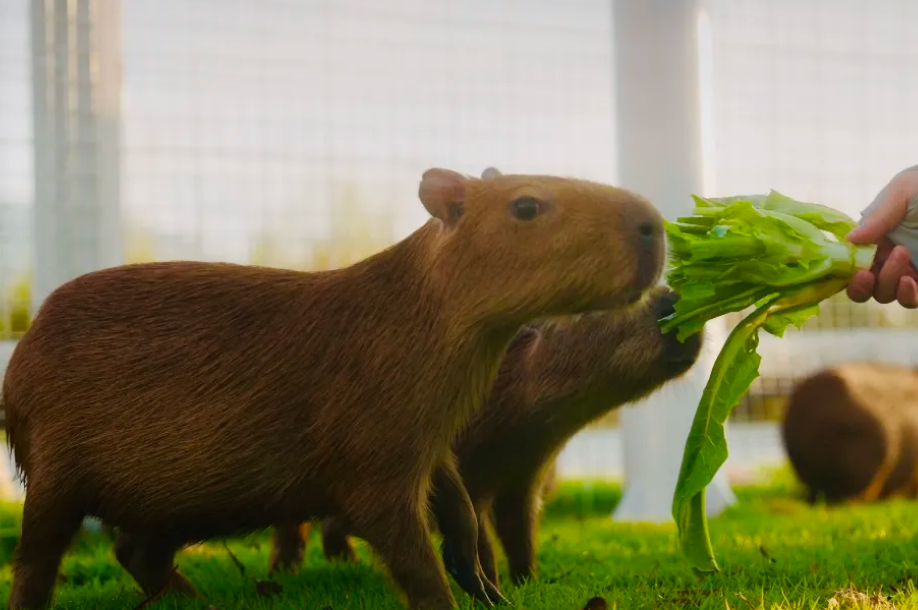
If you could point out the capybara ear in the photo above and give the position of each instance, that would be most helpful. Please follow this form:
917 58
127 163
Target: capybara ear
491 172
442 192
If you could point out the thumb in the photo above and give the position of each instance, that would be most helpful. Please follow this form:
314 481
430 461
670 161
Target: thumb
890 211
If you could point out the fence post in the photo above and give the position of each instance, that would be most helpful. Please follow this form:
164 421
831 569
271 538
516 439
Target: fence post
76 104
76 101
658 105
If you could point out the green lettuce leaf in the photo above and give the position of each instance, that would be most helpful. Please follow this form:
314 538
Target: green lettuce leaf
780 256
735 369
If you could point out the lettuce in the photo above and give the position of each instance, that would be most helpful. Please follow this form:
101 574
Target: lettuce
780 256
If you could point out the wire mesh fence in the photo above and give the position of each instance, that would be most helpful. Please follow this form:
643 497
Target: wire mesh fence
293 134
813 100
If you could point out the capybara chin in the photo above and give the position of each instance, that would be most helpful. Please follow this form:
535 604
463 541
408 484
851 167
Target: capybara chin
182 401
851 432
557 376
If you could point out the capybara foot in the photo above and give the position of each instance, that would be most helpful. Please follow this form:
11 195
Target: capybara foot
288 547
467 577
179 585
411 560
521 577
335 541
285 561
150 560
493 591
340 552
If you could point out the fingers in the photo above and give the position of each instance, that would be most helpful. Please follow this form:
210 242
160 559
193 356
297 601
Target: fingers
883 218
907 293
887 209
860 289
892 271
893 278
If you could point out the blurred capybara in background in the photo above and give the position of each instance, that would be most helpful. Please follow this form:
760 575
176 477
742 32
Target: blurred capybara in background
184 401
851 432
558 376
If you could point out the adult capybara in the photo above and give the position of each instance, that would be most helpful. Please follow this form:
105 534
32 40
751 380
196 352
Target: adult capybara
557 376
183 401
851 432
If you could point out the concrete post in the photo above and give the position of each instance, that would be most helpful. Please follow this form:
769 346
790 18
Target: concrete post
660 156
76 72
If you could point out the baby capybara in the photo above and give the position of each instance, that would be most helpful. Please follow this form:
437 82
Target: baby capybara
557 376
185 401
851 432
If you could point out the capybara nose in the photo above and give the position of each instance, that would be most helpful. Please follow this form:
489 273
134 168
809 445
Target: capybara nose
646 229
650 247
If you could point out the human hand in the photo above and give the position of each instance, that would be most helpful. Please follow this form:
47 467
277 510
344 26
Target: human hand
890 222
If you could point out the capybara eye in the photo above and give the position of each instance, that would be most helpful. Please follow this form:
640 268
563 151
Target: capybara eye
526 208
455 211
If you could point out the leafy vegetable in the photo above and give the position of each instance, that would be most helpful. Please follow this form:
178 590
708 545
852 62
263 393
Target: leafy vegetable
782 257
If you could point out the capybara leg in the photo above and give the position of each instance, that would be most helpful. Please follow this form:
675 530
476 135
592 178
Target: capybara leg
48 527
335 542
288 546
402 540
515 522
150 560
458 524
486 551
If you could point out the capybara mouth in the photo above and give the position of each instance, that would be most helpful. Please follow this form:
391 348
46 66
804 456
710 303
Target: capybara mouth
680 357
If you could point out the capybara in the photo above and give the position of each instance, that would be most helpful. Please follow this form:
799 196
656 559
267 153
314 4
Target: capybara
851 432
185 401
558 375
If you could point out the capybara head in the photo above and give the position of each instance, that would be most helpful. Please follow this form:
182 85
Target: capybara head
617 356
581 246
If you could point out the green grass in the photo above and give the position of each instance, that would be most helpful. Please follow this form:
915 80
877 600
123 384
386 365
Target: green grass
775 552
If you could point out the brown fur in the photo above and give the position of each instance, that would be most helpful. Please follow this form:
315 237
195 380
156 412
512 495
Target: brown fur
557 377
851 432
183 401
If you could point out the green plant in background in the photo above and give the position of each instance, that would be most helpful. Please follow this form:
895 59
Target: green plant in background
16 307
782 257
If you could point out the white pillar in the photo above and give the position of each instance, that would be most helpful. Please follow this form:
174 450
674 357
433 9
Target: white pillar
660 156
76 75
76 101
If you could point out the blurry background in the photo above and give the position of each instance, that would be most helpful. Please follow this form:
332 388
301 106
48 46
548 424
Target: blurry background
294 132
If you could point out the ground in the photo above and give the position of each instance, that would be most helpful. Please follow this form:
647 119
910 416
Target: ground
775 552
